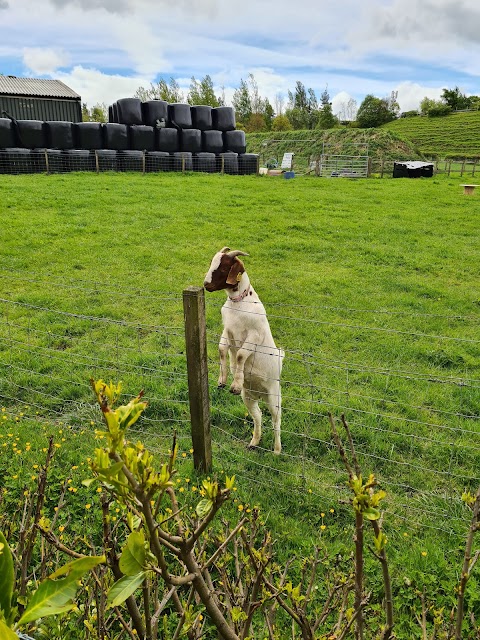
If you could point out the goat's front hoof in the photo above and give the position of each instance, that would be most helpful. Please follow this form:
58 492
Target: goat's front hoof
221 385
253 444
235 390
277 451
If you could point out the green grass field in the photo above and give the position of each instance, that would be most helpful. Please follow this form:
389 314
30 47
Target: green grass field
456 135
371 288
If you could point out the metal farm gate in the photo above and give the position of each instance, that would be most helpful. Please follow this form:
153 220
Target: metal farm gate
331 164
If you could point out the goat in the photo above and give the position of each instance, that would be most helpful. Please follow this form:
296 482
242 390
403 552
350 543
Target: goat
255 361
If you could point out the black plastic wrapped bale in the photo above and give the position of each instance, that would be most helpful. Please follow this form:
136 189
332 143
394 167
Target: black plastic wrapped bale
59 134
115 112
115 136
79 160
48 160
7 135
88 135
205 162
191 140
110 113
247 163
158 161
155 113
129 111
31 134
182 161
167 140
202 117
413 169
229 162
212 141
15 160
179 116
223 118
142 137
105 160
131 160
235 141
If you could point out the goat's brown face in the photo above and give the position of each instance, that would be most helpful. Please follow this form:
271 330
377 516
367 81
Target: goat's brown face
225 271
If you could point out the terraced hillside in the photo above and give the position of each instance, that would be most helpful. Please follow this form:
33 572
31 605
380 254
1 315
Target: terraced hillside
456 135
309 144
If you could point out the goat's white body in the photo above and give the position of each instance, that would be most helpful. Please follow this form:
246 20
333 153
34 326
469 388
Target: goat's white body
255 361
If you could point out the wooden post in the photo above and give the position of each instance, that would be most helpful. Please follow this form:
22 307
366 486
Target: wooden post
222 161
258 165
46 161
381 168
143 162
97 164
463 168
196 348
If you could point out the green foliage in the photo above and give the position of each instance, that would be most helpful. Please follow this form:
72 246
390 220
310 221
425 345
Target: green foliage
439 111
374 112
53 596
98 113
202 92
281 123
326 119
170 92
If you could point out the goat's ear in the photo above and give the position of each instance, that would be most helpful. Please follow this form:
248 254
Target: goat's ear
235 272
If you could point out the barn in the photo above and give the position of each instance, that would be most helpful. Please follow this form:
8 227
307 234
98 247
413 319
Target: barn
38 99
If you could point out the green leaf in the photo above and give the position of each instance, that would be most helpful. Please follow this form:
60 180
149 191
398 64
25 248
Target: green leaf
6 577
78 568
6 633
204 507
108 472
132 560
371 514
123 588
51 598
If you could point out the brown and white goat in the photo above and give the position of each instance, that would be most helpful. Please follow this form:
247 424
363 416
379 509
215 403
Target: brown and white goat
255 361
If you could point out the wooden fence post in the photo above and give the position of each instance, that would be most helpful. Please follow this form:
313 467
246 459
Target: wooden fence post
197 367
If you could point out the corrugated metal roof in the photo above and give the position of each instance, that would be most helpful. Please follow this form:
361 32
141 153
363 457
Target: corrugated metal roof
13 86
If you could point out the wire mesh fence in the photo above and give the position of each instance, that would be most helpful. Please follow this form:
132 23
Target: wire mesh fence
408 384
16 161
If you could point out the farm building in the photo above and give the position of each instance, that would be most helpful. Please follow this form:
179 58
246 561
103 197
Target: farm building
39 99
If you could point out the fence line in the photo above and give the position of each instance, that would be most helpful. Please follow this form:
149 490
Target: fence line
422 447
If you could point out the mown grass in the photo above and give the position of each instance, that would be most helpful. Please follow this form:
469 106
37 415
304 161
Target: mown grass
456 135
371 288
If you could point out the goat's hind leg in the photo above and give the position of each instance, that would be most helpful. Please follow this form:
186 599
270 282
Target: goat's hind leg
223 351
254 411
274 403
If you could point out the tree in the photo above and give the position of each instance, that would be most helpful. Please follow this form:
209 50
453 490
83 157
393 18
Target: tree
170 92
202 92
326 119
281 123
374 112
455 99
428 103
268 113
242 102
302 107
98 113
279 103
347 110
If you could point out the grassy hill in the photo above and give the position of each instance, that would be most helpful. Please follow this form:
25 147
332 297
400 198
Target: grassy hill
306 144
456 135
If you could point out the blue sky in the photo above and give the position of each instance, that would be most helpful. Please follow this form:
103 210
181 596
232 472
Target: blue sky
106 49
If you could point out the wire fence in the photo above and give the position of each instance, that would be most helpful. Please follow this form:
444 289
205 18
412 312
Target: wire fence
21 161
408 384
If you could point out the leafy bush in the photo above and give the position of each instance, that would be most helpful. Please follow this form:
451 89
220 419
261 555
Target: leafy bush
439 111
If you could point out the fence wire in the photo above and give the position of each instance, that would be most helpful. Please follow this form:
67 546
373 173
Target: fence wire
409 385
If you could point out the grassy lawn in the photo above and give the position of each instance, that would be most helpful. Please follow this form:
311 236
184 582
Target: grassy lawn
371 288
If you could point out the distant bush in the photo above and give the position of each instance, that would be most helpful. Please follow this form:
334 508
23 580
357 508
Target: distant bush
439 111
410 114
281 123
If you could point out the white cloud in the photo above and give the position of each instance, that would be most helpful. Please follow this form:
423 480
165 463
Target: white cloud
410 94
44 61
97 87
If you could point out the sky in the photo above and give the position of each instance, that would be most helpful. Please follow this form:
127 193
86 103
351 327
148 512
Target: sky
105 49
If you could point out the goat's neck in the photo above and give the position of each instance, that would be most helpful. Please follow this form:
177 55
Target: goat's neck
241 289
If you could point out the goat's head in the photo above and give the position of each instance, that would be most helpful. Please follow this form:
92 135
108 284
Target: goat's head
225 271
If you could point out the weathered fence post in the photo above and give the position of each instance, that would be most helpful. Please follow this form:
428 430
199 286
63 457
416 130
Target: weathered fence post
196 347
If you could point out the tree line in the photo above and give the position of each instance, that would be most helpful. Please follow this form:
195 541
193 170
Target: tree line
300 109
